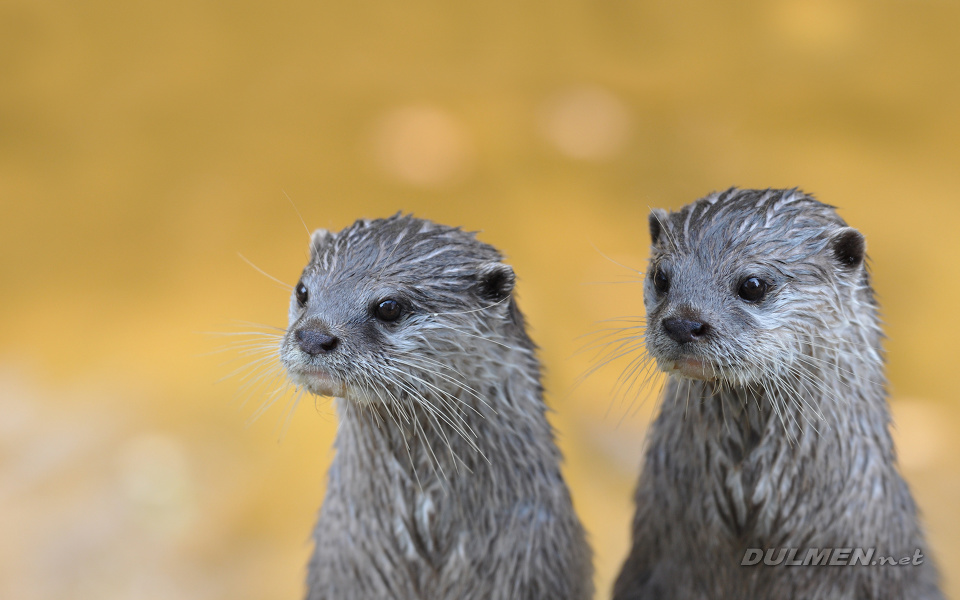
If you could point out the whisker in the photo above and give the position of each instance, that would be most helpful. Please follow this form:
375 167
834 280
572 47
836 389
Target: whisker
480 337
264 273
619 264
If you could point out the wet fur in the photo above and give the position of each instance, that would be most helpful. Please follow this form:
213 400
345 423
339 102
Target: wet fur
789 445
446 482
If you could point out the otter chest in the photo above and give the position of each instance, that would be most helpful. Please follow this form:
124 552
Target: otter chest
415 528
745 480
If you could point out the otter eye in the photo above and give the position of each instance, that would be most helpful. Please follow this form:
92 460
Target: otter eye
660 281
388 310
752 289
302 294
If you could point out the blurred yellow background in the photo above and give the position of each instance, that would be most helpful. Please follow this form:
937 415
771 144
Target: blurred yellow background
144 145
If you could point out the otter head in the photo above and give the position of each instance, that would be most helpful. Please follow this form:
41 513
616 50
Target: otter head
396 308
741 285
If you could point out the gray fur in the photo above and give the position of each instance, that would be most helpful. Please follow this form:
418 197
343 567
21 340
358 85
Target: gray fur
782 440
446 482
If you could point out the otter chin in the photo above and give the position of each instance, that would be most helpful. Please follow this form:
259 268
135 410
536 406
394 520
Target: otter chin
321 383
690 367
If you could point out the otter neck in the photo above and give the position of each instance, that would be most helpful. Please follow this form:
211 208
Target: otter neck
448 441
819 397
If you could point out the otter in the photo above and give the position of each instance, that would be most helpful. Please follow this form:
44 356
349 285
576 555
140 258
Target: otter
446 480
770 472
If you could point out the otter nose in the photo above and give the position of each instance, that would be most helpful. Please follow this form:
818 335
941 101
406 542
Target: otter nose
314 342
685 330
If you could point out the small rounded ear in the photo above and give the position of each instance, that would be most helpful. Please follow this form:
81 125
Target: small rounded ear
318 240
495 281
848 247
657 218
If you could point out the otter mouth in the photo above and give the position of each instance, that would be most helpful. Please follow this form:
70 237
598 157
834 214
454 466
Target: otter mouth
691 367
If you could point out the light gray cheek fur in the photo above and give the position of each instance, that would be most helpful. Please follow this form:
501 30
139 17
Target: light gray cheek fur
798 453
446 482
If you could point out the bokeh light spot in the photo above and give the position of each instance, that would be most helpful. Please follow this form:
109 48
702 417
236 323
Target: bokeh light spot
422 145
586 123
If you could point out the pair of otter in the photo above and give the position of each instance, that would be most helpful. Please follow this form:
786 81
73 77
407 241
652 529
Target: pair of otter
773 433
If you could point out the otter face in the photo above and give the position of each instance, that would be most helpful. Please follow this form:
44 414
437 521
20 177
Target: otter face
742 284
393 309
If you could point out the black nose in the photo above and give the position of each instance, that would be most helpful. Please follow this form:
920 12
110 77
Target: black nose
314 342
685 330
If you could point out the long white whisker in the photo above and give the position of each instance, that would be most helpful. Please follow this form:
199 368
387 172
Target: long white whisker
264 273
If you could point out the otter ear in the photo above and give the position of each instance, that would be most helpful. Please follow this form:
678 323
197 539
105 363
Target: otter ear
495 281
318 240
848 247
657 218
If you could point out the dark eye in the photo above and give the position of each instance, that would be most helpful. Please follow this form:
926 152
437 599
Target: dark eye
388 310
302 294
752 289
660 281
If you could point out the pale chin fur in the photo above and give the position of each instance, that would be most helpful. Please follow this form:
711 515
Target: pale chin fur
319 383
701 369
322 384
692 368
